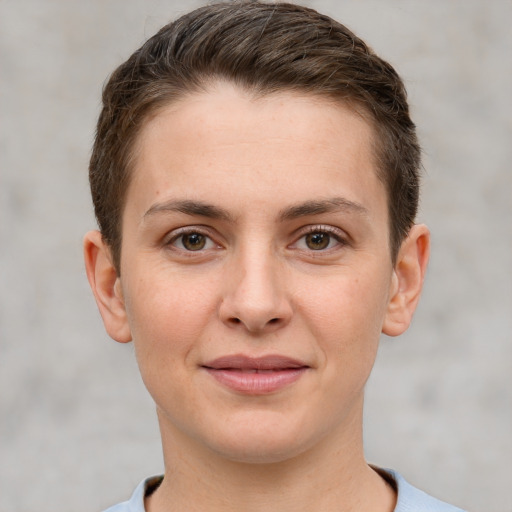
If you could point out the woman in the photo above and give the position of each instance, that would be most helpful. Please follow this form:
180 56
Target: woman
255 180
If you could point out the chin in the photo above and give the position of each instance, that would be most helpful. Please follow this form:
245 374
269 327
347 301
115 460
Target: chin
260 452
263 442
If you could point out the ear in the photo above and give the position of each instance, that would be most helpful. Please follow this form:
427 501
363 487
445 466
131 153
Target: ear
407 280
106 287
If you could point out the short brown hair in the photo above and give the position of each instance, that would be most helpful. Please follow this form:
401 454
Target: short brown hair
263 48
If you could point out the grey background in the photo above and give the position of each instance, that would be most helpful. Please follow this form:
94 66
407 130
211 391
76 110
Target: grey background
78 430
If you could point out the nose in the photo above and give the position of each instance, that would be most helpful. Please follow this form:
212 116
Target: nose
255 295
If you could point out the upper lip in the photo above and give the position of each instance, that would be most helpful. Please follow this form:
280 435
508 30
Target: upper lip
242 362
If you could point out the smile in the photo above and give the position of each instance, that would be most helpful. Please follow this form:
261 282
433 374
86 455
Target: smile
256 376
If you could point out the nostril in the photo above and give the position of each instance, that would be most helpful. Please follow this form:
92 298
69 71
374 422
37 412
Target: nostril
236 321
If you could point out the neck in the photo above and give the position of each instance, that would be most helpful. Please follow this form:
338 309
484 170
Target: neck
321 479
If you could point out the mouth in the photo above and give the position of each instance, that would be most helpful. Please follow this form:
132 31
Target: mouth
256 376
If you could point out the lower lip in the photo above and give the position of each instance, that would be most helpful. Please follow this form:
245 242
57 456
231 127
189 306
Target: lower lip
257 383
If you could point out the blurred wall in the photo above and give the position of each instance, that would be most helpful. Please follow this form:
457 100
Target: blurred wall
77 429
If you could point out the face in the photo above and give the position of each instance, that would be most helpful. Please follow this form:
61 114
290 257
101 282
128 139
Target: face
256 275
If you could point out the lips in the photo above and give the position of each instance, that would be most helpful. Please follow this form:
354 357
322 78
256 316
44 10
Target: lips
256 376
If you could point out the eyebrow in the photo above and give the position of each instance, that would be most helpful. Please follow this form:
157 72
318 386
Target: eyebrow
314 207
334 204
190 207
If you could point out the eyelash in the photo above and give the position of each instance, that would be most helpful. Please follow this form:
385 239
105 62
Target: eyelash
332 232
188 231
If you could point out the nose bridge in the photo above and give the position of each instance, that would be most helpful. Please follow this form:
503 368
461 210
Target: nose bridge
255 294
257 284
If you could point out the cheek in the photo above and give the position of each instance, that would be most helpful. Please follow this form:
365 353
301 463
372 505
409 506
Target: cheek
168 330
167 317
347 313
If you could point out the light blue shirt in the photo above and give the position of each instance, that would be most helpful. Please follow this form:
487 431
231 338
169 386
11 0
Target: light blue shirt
409 498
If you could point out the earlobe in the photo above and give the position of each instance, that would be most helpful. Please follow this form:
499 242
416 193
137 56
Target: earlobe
106 287
407 281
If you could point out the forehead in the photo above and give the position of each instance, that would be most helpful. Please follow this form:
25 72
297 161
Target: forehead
226 138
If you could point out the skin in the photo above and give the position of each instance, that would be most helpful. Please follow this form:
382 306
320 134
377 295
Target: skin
260 182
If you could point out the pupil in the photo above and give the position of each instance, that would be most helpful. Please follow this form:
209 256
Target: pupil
194 241
317 241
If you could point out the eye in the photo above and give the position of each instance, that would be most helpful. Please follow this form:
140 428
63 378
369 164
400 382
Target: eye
320 239
317 241
192 241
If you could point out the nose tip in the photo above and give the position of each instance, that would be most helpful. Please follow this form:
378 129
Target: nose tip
255 301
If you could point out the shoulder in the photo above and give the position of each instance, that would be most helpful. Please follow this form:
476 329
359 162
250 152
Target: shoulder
411 499
136 502
120 507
